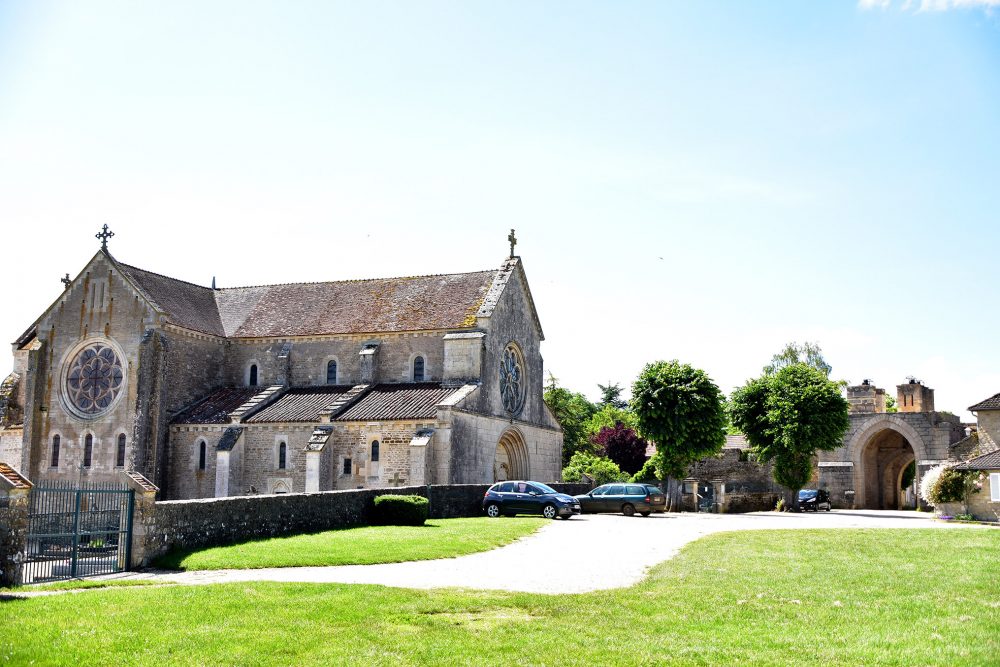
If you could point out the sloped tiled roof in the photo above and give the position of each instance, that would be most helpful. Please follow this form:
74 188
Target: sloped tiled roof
988 461
215 408
186 304
397 401
417 303
736 442
299 404
991 403
13 478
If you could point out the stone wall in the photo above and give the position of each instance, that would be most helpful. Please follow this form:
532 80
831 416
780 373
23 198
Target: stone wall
989 430
13 533
468 452
175 524
10 446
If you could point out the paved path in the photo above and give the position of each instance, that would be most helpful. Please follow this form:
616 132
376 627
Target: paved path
587 553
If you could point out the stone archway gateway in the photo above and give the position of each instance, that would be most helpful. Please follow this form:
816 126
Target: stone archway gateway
881 451
511 460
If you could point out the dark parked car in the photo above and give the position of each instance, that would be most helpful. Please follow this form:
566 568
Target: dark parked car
625 498
517 497
814 500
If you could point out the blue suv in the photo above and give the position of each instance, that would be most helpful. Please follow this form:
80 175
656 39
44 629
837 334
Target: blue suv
516 497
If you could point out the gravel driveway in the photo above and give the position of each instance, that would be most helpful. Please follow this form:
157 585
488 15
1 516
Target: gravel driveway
587 553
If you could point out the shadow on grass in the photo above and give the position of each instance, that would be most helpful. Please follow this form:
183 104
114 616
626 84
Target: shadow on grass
172 561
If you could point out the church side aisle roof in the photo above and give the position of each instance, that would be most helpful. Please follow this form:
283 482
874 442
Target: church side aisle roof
299 404
215 408
387 402
418 303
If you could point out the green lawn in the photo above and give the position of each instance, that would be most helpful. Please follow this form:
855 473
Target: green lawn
856 597
438 538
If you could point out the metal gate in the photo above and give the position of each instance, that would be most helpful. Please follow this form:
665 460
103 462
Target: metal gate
77 530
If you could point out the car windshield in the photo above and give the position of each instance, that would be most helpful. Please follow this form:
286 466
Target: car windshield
806 494
544 489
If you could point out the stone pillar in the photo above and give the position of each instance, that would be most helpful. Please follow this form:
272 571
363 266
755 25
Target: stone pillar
312 470
221 473
720 495
143 520
13 533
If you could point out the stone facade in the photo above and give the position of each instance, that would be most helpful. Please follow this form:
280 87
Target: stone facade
171 345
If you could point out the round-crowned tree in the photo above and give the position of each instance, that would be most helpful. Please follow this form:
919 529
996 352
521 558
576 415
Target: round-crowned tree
681 410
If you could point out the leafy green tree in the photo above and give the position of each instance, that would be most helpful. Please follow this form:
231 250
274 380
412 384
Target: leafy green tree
787 416
599 469
611 396
806 353
573 411
607 417
890 404
681 410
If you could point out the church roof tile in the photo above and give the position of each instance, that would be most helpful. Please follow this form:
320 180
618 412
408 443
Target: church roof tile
417 303
299 404
387 402
215 408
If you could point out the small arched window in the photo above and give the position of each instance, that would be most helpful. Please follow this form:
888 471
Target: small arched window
202 455
282 453
418 369
88 450
331 372
253 375
120 460
374 451
56 441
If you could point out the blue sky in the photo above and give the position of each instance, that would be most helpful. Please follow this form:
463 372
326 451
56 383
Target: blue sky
704 181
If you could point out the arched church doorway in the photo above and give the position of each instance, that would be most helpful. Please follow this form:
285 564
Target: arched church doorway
885 467
511 460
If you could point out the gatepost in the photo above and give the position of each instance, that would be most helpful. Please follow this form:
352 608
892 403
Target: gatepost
143 518
15 492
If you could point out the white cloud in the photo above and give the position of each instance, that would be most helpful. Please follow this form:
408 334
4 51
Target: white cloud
872 4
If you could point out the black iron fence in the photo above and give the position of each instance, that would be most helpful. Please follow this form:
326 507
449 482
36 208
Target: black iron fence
77 530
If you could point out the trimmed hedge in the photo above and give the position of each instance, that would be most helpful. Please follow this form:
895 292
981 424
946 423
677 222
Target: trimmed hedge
393 510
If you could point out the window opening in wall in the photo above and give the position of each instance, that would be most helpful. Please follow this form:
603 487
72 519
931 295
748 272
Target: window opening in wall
331 372
282 449
418 369
120 459
202 452
88 450
347 466
253 375
55 450
374 451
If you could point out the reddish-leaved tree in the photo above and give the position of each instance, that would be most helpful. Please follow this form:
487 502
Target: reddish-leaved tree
623 446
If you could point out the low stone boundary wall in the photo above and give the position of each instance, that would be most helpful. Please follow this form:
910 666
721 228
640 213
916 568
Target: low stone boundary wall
13 535
160 527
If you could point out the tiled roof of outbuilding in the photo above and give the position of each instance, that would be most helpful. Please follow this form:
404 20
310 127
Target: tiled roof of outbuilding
13 478
991 403
988 461
299 404
418 303
386 402
215 408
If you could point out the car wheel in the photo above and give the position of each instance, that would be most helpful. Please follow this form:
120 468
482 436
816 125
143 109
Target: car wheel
493 510
645 513
549 512
628 509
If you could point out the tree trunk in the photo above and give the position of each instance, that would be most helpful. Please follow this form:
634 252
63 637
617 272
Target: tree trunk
673 495
793 502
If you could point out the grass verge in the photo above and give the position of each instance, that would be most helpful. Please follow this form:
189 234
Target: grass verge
832 597
438 538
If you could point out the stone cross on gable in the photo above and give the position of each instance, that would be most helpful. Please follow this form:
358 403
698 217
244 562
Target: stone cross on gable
513 242
103 236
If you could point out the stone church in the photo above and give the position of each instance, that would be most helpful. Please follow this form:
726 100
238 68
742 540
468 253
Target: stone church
281 388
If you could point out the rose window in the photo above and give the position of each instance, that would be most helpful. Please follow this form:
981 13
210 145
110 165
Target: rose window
512 380
95 379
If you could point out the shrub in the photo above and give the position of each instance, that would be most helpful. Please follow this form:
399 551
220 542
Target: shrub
599 469
647 474
780 505
928 484
394 510
947 485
